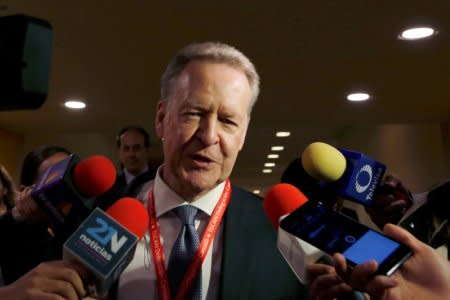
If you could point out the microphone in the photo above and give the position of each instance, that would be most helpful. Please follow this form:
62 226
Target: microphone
350 174
316 226
279 201
313 189
66 190
104 243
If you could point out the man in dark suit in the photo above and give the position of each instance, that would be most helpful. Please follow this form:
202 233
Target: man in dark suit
209 239
133 147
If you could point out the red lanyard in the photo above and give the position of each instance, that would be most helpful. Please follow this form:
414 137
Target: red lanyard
208 236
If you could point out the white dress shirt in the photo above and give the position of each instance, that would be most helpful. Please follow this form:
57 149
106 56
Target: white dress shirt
138 281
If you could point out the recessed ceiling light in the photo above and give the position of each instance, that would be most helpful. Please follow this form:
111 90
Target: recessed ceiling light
75 104
256 192
283 134
273 155
358 97
269 164
416 33
277 148
266 171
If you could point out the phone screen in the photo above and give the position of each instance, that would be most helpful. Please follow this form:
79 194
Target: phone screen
333 232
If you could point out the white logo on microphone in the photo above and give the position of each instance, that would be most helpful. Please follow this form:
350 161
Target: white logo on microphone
361 188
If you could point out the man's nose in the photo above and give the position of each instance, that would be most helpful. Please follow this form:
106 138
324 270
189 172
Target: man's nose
208 131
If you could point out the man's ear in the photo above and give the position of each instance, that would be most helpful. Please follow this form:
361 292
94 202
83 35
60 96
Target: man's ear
159 120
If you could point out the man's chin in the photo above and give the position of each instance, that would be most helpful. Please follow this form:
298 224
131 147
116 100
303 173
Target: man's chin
202 182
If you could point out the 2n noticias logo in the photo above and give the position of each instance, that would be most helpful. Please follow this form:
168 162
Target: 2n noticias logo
99 237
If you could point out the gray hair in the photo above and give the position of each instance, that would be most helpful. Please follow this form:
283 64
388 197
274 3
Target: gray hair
210 52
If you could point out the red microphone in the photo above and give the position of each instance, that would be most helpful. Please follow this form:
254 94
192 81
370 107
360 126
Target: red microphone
282 199
94 176
131 214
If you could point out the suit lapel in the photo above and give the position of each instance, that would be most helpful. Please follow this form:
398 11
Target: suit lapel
237 250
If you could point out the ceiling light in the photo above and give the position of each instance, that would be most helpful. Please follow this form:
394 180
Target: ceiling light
358 97
273 155
283 134
269 165
277 148
416 33
267 171
75 104
256 192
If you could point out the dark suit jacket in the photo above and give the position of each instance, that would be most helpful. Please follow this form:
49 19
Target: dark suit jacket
121 189
252 267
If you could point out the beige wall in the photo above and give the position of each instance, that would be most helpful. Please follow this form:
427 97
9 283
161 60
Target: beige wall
86 144
413 152
11 147
83 144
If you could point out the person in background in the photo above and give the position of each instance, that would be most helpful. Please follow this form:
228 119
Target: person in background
7 198
425 214
391 200
133 146
7 191
25 226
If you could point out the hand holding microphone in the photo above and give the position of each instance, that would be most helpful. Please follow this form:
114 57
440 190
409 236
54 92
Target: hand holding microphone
390 202
354 176
104 243
49 280
66 191
26 209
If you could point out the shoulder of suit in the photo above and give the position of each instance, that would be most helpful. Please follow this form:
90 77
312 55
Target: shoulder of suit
240 192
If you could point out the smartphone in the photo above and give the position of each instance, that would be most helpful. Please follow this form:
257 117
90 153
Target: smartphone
333 232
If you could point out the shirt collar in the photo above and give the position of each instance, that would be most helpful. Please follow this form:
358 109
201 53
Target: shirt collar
166 199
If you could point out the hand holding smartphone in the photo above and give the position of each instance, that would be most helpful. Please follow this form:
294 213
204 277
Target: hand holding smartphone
333 232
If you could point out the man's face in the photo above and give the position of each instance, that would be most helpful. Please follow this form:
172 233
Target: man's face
133 154
203 126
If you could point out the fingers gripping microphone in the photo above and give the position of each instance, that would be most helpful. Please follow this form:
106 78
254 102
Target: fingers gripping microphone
67 189
104 243
351 175
280 201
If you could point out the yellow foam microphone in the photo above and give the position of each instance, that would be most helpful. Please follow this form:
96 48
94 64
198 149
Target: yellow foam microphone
323 162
